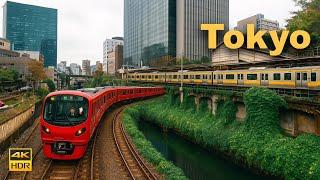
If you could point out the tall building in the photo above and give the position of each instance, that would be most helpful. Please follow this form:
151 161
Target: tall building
260 23
115 60
62 66
31 28
156 31
99 66
86 69
75 69
108 46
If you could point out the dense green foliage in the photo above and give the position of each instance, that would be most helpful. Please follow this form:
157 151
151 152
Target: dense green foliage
8 75
42 92
50 84
145 148
307 18
258 142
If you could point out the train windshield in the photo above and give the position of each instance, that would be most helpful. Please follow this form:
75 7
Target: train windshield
66 110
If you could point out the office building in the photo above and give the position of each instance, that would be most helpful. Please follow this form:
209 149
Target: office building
115 60
260 24
108 46
62 66
86 69
99 66
5 50
75 69
158 31
31 28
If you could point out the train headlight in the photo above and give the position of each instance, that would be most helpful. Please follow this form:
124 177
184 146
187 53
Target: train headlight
45 129
80 132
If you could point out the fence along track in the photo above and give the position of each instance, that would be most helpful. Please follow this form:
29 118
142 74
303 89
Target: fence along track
132 160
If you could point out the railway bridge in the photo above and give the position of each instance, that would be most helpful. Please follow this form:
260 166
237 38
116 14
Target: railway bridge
302 115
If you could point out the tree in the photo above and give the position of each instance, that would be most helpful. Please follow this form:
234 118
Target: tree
308 19
50 84
37 72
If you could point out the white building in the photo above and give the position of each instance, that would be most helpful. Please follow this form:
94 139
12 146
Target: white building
75 69
109 46
260 23
62 66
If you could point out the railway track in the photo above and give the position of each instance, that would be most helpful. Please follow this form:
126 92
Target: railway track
132 160
29 141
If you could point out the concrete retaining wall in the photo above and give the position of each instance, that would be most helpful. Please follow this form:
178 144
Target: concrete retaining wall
10 126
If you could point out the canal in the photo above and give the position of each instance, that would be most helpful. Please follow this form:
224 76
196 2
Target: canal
196 162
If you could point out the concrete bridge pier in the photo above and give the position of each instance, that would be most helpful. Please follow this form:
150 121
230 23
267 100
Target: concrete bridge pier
214 105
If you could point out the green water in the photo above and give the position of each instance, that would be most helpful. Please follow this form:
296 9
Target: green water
196 162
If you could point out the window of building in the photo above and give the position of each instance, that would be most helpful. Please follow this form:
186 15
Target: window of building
277 76
252 76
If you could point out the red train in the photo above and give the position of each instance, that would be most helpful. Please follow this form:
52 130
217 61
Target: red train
69 118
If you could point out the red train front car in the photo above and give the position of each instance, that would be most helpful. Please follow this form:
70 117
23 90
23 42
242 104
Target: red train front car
69 118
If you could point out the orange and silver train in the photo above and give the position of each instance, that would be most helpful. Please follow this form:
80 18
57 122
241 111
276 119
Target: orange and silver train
285 78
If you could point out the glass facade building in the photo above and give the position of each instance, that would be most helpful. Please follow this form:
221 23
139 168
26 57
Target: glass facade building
156 31
31 28
149 31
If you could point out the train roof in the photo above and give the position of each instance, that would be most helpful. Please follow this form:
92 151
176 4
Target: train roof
91 92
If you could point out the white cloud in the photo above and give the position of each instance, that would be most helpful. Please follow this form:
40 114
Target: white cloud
83 25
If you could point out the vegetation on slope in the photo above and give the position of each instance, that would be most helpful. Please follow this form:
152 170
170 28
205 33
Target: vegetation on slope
258 142
145 148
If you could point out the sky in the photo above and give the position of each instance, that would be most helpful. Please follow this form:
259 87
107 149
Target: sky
83 25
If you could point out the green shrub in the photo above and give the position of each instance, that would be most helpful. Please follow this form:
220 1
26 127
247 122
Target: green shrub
145 148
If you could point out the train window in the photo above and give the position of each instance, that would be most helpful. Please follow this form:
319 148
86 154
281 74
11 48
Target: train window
185 77
252 76
266 77
214 77
287 76
156 77
277 76
305 76
143 77
198 77
138 77
175 77
230 76
210 76
313 77
65 110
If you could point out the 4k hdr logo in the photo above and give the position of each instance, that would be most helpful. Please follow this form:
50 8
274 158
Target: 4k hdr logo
20 159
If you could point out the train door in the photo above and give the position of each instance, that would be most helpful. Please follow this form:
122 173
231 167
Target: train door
264 79
302 79
220 78
240 79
